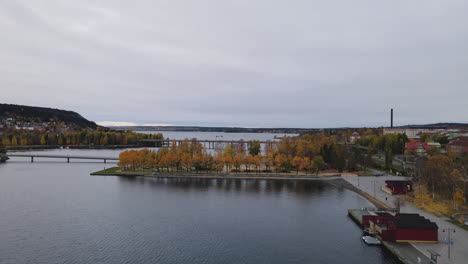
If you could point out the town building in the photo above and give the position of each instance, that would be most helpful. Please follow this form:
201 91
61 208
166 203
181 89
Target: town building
413 132
354 136
420 148
397 187
458 145
399 227
405 228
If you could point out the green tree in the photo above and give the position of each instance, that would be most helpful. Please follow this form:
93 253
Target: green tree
388 159
317 164
254 147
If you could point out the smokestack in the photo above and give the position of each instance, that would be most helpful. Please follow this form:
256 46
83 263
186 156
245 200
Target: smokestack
391 118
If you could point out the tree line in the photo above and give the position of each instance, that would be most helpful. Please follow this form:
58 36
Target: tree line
443 177
76 138
308 153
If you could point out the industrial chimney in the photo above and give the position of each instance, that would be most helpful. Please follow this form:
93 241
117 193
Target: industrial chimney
391 118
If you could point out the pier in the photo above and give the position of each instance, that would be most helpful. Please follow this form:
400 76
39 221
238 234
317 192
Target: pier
67 157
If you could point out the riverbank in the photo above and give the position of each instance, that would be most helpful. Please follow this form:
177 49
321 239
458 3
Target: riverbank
115 171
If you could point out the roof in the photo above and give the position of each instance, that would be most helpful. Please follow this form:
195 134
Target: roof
396 182
414 221
425 146
356 134
383 214
459 141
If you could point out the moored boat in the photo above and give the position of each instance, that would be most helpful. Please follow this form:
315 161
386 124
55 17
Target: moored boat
371 240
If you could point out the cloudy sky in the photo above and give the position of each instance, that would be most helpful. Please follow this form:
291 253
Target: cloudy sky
254 63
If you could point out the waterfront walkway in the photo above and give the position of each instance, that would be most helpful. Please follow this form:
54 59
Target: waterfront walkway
459 250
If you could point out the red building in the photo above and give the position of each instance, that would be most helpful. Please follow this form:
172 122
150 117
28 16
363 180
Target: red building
375 217
459 145
407 228
398 187
420 148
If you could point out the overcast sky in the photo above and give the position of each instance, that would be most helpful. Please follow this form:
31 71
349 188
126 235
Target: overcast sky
253 63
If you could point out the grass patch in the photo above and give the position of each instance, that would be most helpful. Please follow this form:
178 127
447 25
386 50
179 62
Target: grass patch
107 171
439 209
363 173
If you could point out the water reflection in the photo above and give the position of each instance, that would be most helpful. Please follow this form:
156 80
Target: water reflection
296 187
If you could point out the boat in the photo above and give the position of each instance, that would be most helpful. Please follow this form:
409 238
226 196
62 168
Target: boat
371 241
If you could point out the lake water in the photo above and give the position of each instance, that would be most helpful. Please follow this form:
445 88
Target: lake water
55 212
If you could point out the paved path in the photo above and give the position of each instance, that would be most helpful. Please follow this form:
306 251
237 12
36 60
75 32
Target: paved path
459 251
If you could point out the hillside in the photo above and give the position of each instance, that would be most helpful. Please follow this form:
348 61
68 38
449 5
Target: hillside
21 115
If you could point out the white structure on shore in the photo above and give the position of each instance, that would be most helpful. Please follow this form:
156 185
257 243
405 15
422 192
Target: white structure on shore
412 132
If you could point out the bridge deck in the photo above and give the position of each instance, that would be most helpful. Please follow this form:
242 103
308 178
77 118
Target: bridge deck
61 156
204 140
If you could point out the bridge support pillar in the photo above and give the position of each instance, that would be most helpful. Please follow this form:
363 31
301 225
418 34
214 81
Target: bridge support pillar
105 161
32 159
68 160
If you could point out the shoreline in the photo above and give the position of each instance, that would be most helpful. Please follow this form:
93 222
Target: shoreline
205 175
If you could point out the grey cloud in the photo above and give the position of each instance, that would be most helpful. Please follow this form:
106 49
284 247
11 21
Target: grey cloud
246 63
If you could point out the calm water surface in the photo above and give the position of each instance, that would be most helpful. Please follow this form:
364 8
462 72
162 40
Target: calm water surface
54 212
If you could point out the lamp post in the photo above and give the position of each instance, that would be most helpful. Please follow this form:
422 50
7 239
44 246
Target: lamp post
449 240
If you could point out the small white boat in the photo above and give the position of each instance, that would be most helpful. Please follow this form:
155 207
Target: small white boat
371 240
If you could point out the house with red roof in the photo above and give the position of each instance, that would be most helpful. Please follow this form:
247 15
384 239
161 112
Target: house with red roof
420 148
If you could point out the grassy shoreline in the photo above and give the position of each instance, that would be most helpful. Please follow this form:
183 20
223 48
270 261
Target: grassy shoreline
116 171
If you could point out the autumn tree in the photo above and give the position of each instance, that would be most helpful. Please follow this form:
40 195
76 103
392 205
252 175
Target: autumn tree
305 164
186 161
219 162
296 163
228 161
249 161
238 160
257 161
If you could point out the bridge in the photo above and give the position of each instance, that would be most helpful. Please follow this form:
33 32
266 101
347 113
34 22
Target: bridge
67 157
207 143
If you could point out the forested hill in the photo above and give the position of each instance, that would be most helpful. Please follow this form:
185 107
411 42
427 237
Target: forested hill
38 115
